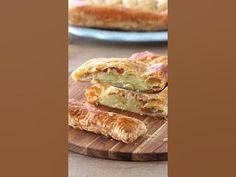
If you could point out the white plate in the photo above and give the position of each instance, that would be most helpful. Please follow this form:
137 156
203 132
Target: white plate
121 36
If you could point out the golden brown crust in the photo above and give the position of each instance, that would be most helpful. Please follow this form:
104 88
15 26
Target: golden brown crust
85 116
136 15
155 105
148 58
144 72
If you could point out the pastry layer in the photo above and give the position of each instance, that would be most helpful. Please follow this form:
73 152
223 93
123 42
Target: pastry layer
155 105
142 72
85 116
138 15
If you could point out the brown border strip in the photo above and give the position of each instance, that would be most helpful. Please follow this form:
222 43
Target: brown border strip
33 96
202 88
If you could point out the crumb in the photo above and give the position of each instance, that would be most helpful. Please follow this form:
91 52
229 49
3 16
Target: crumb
110 113
165 139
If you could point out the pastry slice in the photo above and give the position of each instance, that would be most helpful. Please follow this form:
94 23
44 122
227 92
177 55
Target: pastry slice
154 105
137 15
142 72
85 116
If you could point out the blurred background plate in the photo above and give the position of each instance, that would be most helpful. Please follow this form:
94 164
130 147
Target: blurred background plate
119 36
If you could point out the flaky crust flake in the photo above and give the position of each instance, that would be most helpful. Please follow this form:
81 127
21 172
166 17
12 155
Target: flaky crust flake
85 116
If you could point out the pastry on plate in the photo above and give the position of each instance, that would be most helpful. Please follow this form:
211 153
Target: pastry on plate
132 15
154 105
85 116
142 72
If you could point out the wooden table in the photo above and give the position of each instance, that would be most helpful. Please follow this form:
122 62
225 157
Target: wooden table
80 50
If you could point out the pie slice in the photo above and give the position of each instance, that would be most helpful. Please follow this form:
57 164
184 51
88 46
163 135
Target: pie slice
137 15
154 105
142 72
85 116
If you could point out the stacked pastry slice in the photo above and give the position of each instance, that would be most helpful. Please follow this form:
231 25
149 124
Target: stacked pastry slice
137 84
154 105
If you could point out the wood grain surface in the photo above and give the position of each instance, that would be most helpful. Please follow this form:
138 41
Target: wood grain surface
152 146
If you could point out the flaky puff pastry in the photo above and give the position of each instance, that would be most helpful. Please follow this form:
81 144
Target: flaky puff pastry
135 15
85 116
155 105
142 72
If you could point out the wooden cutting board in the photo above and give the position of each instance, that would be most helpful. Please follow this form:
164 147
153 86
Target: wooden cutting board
152 146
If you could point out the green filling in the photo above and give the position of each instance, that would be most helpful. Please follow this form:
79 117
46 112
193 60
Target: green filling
124 80
123 103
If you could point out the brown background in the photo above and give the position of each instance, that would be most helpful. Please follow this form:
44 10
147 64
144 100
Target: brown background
33 96
33 73
202 88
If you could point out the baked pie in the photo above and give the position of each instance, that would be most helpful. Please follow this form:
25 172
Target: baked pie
137 15
142 72
154 105
85 116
